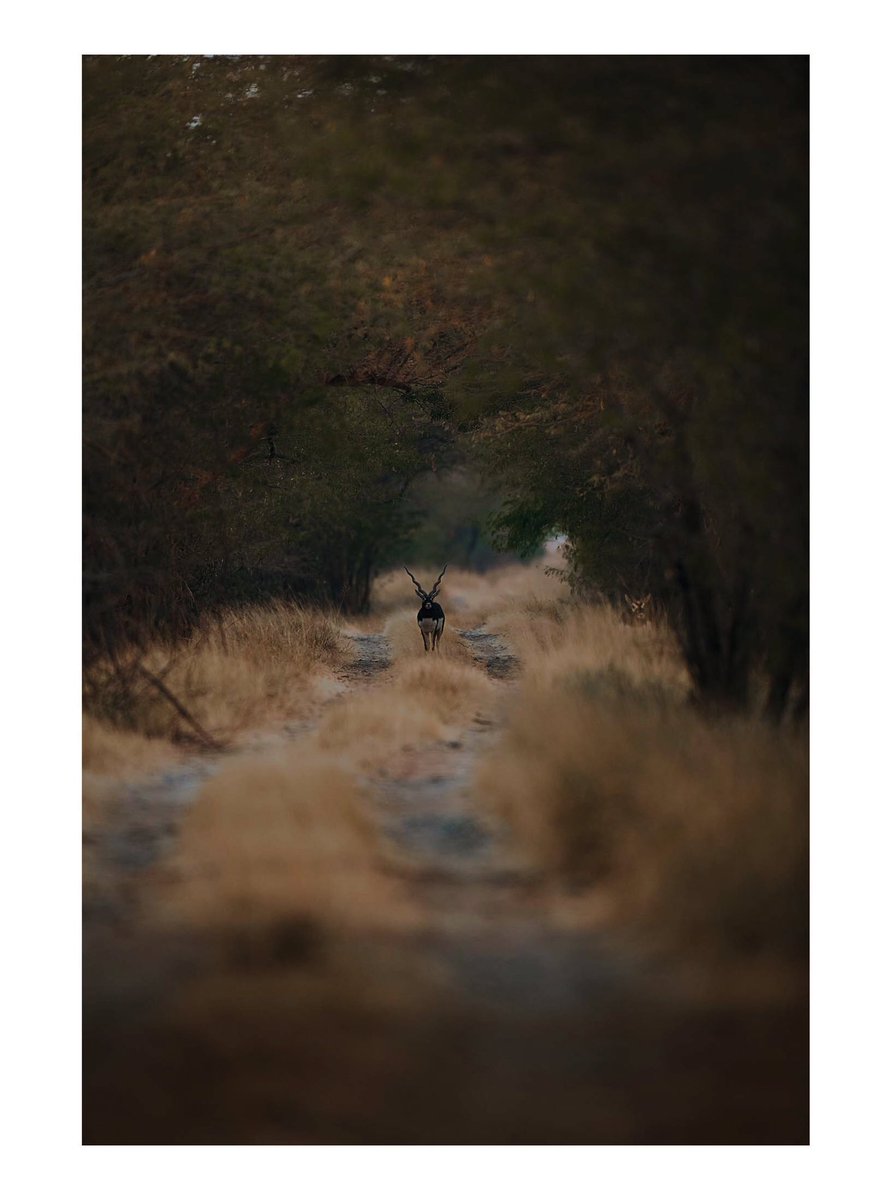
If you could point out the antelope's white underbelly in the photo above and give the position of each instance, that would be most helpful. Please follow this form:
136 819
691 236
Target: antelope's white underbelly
431 624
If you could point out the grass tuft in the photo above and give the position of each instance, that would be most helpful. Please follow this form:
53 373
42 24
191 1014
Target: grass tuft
691 831
238 670
280 843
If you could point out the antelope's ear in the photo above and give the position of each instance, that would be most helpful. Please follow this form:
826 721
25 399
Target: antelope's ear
628 599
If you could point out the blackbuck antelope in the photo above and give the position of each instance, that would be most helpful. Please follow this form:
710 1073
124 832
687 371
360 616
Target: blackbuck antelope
431 618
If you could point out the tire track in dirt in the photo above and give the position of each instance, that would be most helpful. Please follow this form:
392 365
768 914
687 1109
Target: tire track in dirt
427 808
373 657
491 652
481 901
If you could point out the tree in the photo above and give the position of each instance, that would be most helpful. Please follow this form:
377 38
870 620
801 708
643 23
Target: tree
260 369
593 269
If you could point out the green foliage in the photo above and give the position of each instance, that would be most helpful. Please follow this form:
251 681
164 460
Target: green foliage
454 510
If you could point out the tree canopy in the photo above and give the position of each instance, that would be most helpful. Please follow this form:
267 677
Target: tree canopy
311 284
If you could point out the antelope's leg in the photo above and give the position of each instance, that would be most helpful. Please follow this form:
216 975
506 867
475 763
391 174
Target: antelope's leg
424 636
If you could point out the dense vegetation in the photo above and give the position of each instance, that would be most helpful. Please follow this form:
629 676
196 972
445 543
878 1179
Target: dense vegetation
317 288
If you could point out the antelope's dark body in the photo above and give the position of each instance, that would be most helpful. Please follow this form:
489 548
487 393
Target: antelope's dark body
431 622
431 618
430 609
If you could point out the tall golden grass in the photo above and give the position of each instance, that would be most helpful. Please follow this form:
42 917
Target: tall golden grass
284 843
238 670
469 597
555 640
370 729
285 846
425 700
688 829
681 834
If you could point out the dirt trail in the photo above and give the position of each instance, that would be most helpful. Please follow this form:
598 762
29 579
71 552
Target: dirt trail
421 812
372 657
491 652
529 1034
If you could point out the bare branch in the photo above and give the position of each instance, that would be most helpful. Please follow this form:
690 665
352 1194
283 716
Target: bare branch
165 691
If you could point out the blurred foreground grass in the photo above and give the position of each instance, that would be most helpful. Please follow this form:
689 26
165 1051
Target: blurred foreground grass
627 965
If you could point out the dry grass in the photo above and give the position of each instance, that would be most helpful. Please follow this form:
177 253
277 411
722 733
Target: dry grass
320 1009
116 753
558 640
369 729
692 831
111 756
283 843
427 699
237 671
452 690
470 598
